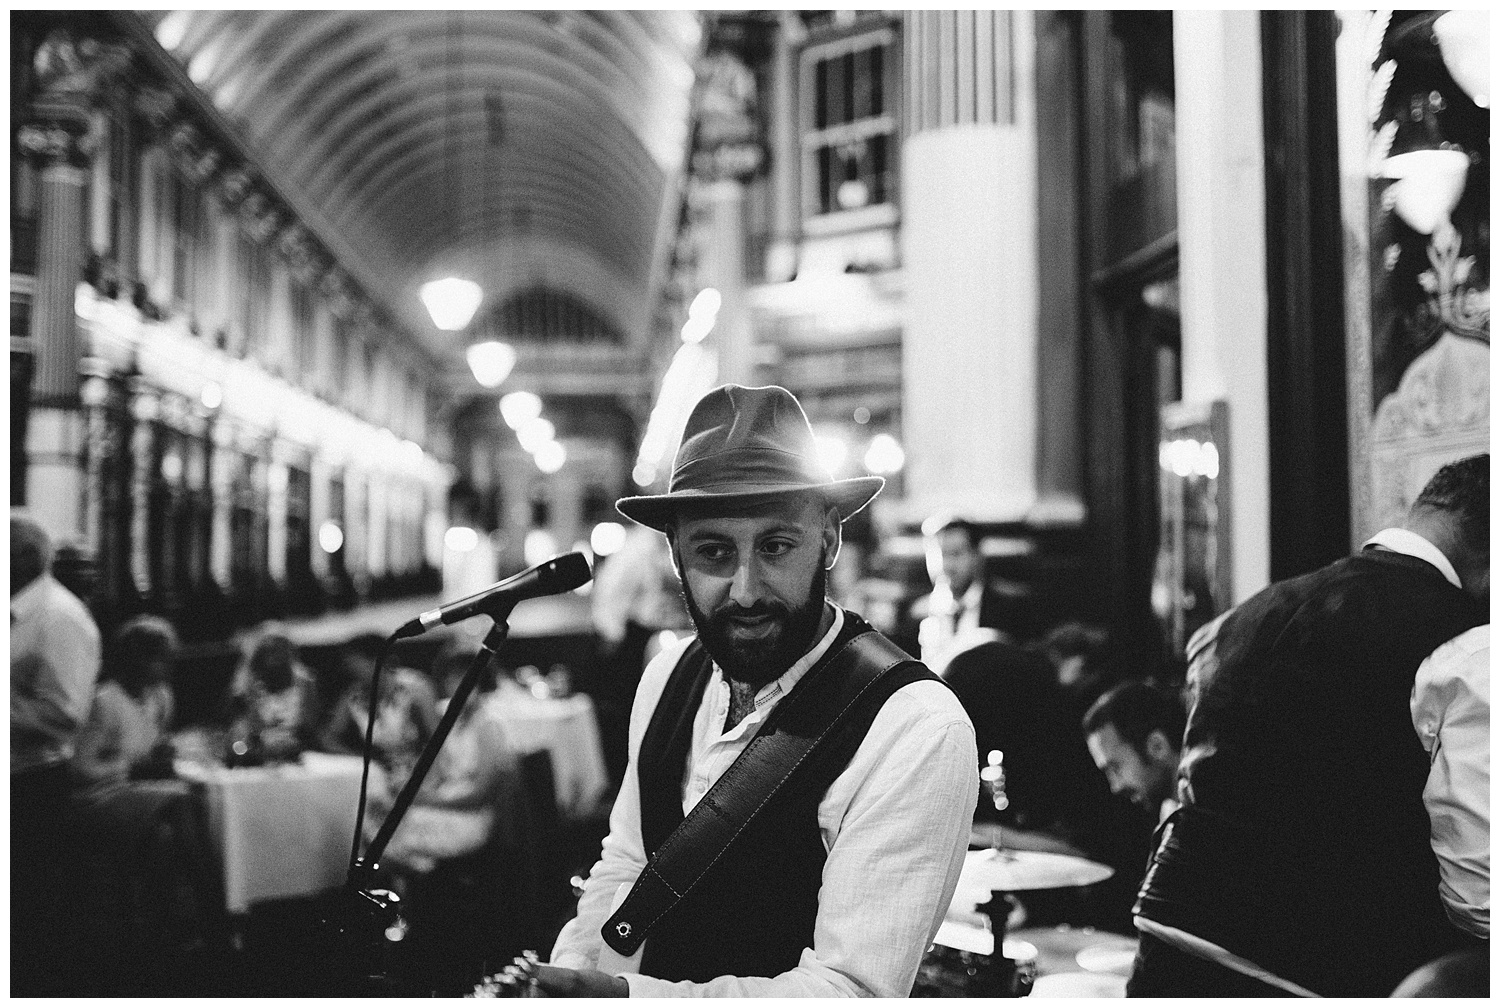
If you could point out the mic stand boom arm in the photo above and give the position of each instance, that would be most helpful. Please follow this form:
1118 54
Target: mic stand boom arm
362 870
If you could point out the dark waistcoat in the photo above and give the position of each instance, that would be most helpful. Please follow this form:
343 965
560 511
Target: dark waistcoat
754 911
1303 845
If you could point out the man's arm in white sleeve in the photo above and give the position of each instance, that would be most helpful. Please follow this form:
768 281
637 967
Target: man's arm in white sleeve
623 854
1451 712
901 815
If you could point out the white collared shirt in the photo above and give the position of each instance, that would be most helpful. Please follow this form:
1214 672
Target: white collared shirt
895 824
54 663
1450 709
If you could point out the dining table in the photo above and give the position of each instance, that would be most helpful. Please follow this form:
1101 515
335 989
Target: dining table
283 830
567 729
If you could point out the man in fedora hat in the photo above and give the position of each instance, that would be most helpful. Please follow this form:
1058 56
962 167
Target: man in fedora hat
833 881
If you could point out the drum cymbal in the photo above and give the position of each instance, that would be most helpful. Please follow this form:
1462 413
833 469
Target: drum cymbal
1019 870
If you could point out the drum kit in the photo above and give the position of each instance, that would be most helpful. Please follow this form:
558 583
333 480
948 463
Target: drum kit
969 959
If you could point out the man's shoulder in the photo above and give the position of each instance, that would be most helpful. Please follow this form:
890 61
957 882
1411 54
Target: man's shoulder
62 606
927 702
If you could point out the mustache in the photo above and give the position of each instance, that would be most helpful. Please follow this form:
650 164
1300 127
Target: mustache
733 610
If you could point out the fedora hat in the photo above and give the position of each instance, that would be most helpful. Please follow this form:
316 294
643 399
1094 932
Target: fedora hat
744 443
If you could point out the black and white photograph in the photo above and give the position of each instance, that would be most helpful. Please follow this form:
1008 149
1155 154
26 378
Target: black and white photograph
749 503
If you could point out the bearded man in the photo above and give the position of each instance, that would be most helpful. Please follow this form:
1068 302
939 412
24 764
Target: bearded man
797 804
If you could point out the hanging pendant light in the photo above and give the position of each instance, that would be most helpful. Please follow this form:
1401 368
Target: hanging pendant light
451 302
491 362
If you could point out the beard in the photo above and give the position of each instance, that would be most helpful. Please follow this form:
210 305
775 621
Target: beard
757 662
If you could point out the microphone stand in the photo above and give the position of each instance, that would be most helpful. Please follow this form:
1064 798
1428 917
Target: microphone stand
363 913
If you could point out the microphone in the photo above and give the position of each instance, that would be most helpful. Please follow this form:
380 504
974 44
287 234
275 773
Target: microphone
560 574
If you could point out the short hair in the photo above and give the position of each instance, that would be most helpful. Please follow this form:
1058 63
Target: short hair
1090 640
1463 489
143 638
29 540
1136 709
938 524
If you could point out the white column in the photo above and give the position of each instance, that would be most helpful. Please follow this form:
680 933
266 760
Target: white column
1222 255
969 248
221 483
724 269
276 511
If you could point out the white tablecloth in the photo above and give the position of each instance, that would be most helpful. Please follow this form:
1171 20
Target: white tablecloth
282 831
567 729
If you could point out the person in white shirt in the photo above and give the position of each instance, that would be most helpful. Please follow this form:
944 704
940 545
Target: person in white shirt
54 663
836 886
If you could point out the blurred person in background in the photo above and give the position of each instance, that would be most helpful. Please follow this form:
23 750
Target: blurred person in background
274 698
457 856
126 737
964 608
54 663
141 832
635 604
1083 658
406 713
1334 827
1134 734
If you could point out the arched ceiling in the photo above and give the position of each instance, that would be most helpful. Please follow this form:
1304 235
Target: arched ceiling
515 148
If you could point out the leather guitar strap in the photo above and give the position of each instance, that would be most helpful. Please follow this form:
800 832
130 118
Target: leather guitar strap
745 788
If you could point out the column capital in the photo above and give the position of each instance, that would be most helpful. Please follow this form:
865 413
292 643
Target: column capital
194 152
261 215
157 107
77 68
56 138
234 185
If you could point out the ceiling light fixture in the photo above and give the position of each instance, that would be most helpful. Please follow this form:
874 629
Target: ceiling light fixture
491 362
451 302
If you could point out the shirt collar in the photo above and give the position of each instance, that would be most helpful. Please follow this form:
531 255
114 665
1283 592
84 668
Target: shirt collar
781 686
1400 540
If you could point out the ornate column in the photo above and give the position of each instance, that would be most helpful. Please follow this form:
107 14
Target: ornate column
377 539
221 495
318 512
143 409
69 74
54 483
276 510
95 397
969 248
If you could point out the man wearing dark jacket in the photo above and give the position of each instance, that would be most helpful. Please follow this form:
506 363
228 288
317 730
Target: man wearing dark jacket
1303 859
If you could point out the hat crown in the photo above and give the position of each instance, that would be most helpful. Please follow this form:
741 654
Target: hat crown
742 443
737 418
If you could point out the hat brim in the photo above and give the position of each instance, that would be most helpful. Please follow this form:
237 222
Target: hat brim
657 511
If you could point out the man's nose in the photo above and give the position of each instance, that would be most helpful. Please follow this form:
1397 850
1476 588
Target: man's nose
745 590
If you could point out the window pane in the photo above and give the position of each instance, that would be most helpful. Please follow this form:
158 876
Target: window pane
820 88
825 180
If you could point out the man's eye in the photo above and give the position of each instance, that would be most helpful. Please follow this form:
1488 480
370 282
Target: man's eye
776 547
713 553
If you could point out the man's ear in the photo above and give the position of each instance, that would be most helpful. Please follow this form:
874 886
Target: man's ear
671 534
833 537
1157 746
